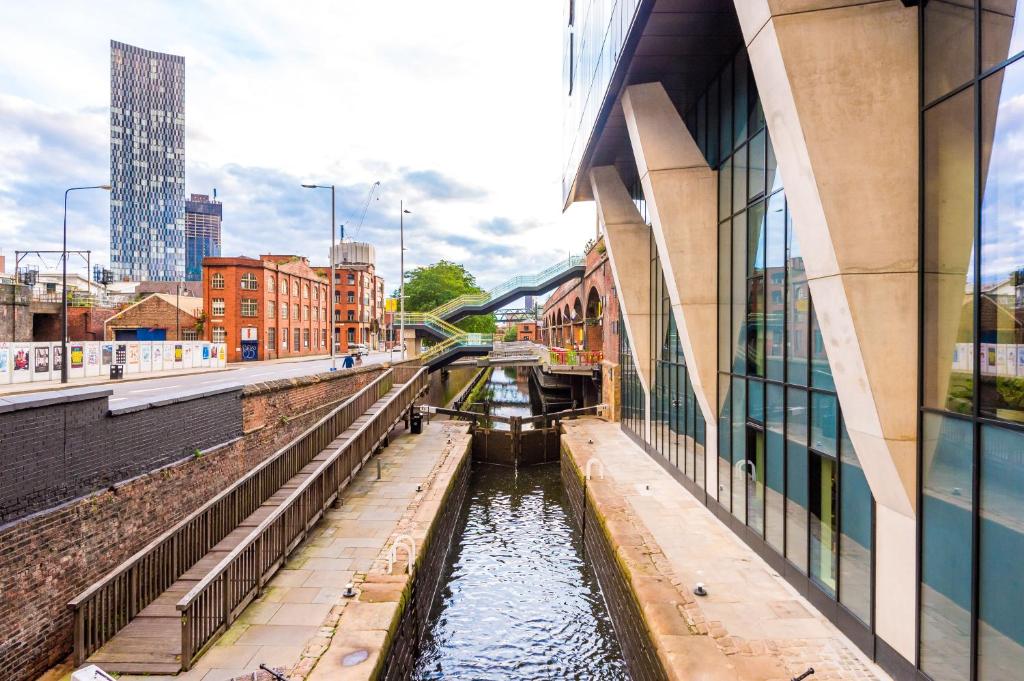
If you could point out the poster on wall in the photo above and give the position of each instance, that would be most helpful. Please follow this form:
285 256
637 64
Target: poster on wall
58 358
206 352
107 354
42 364
158 356
121 353
222 352
145 354
133 353
21 359
5 365
188 355
92 356
179 354
77 357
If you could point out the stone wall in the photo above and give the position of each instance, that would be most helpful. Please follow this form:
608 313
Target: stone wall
15 317
53 555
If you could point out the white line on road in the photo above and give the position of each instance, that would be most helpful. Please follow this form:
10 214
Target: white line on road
162 387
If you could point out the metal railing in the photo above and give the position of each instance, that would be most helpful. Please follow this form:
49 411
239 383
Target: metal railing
111 603
463 340
210 606
522 281
565 357
429 320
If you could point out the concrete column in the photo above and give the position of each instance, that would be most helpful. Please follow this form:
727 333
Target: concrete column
682 198
628 240
839 85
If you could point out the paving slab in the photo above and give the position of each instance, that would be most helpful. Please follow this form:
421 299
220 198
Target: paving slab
753 625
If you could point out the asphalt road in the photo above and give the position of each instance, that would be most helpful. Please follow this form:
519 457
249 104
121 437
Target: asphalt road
145 390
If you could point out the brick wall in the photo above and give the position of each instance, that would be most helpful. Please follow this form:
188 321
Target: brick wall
152 313
50 557
15 317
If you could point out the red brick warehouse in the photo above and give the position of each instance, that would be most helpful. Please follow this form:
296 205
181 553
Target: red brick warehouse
266 308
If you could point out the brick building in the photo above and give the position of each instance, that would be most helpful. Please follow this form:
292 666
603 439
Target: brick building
156 317
526 331
358 305
265 308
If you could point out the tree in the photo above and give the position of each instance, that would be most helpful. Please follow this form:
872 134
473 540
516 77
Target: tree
511 334
433 285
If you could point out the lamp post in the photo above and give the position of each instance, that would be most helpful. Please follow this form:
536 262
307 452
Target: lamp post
330 316
402 212
64 284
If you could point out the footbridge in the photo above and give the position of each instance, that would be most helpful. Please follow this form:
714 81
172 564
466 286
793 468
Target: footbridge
159 610
439 322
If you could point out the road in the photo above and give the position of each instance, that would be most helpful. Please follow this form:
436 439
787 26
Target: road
133 392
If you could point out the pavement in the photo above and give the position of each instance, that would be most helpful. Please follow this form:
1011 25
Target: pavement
292 625
752 625
164 385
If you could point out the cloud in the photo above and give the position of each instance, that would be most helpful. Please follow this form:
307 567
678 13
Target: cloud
431 184
501 225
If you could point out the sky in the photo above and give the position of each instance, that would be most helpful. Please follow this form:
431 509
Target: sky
454 106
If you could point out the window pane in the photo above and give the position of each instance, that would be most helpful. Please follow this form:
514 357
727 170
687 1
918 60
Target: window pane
755 401
712 153
1002 31
724 305
1000 626
755 177
725 190
946 548
739 293
755 470
773 478
772 175
775 286
724 440
725 122
821 371
948 333
1002 247
796 477
742 113
855 543
824 524
823 423
798 303
739 179
739 441
755 289
948 45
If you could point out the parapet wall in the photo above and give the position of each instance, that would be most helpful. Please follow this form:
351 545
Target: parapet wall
144 469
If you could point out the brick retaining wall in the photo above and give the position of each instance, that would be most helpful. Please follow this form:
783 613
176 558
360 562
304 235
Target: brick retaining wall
49 557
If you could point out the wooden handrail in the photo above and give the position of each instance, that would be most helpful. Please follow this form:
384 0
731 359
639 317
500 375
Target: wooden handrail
130 587
211 605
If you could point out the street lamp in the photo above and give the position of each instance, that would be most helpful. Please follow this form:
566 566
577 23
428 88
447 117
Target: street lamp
330 316
64 284
402 212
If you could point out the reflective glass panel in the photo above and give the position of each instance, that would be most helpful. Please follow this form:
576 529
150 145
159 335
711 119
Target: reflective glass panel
775 287
724 297
739 294
824 521
798 310
1001 341
1001 543
855 541
739 178
948 45
756 161
755 470
948 332
755 289
739 442
774 471
947 446
1002 31
742 112
821 370
824 412
796 477
724 440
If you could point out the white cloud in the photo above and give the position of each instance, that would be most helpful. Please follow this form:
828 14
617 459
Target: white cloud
460 94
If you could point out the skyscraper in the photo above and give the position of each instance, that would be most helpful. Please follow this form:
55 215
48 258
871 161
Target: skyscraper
147 164
202 232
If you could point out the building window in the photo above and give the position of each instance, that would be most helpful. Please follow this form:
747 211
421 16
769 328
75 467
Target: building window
284 310
271 308
337 297
316 337
219 334
217 281
189 335
351 297
305 338
295 311
271 338
218 307
305 313
284 338
248 281
351 316
297 345
295 288
283 288
351 278
351 335
270 283
305 290
337 315
250 307
323 338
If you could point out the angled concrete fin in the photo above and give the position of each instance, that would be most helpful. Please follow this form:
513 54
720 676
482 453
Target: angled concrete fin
682 197
628 240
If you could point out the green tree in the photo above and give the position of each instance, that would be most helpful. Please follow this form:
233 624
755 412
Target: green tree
511 334
433 285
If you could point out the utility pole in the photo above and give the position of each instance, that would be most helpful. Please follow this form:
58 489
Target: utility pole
402 212
330 307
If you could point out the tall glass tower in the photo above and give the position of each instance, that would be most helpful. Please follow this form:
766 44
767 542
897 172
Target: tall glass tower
147 164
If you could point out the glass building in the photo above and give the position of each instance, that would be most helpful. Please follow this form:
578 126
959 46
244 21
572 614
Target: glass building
147 164
202 232
865 434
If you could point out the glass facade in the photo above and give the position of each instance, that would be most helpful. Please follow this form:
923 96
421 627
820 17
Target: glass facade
787 468
972 444
202 234
147 164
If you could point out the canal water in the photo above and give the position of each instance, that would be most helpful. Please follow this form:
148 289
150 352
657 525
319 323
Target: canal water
507 391
518 600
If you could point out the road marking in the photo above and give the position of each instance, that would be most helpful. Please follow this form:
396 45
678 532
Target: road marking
117 399
162 387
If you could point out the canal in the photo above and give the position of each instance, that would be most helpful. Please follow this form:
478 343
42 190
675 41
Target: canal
518 599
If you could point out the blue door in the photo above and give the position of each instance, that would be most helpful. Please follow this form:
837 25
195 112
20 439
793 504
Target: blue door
151 334
250 350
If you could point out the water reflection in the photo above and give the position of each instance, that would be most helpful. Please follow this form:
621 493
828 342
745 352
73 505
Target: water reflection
519 601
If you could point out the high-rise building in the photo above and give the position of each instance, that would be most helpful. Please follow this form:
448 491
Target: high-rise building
202 232
147 164
812 213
